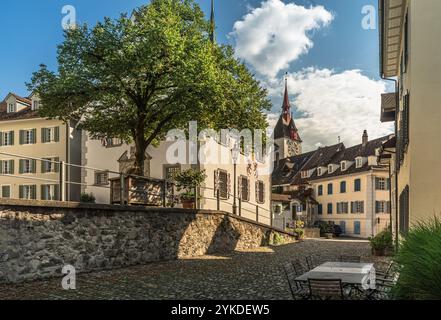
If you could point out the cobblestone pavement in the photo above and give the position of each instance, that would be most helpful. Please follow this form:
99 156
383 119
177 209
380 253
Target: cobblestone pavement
254 274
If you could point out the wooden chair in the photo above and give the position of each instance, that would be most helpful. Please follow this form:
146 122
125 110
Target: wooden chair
326 289
355 259
298 290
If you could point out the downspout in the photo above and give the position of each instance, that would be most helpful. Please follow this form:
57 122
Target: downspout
397 108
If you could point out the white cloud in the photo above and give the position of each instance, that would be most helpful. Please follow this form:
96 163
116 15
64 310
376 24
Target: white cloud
274 35
334 105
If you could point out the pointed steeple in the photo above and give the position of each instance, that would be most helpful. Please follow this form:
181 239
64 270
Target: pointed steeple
212 23
286 107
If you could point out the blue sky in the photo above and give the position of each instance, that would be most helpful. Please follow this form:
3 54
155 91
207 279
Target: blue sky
30 36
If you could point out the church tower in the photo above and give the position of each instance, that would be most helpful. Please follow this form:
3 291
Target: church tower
286 134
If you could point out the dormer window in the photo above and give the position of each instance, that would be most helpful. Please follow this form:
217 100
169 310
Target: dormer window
359 162
35 105
11 107
305 174
343 166
330 168
319 171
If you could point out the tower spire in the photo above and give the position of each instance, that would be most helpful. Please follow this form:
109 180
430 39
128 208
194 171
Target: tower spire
286 105
212 23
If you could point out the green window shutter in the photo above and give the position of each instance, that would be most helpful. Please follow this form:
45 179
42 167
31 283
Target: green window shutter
6 192
57 134
11 137
43 192
21 137
57 192
11 166
33 192
21 192
1 167
56 165
43 166
1 139
34 135
34 166
43 135
21 166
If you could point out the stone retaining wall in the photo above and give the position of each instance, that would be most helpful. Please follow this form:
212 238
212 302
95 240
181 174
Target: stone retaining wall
38 238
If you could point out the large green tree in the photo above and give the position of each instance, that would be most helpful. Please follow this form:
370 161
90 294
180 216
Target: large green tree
137 77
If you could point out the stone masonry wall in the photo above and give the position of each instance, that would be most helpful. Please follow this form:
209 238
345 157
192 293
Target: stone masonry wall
38 238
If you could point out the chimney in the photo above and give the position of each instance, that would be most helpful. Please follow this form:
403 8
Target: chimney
365 138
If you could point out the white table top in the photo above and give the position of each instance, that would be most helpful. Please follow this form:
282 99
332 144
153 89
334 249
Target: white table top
348 272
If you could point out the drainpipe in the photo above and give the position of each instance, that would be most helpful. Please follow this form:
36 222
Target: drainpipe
397 108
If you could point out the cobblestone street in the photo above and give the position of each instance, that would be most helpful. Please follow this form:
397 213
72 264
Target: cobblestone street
255 274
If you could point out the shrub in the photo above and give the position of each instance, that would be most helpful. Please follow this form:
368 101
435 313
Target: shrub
419 261
300 233
277 239
87 198
189 180
382 240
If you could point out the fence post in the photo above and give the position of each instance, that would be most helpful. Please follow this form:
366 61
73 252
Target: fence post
122 187
62 182
164 194
218 199
257 213
196 196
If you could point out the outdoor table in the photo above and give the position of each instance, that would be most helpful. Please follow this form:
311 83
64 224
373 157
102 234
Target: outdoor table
353 274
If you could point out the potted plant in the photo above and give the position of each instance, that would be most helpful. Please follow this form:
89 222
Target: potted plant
188 181
329 231
381 242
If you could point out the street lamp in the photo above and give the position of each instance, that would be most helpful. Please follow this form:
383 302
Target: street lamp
235 155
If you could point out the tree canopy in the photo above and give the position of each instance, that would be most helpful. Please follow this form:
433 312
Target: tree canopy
137 77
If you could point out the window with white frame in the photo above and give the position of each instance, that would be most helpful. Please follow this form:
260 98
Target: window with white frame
382 207
28 192
304 174
27 166
244 188
222 184
28 136
358 162
7 166
380 184
330 168
49 192
357 207
319 171
11 107
35 105
6 191
343 166
260 192
7 138
50 134
50 165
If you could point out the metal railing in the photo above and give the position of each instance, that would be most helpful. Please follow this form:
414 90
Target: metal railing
167 197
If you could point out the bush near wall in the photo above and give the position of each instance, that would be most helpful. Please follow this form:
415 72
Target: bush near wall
419 259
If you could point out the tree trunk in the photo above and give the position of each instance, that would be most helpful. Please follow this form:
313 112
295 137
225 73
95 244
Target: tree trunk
140 148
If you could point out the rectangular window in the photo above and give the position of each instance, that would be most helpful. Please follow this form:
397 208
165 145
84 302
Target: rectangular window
406 42
357 227
49 135
382 206
11 107
7 166
343 166
320 209
50 192
7 138
28 192
358 162
171 172
320 190
343 226
244 188
330 191
28 136
6 192
27 166
329 208
222 183
342 208
357 207
343 187
101 178
319 171
260 192
50 165
380 184
36 105
357 185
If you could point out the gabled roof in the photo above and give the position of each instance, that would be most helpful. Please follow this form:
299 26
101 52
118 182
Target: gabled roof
26 113
322 157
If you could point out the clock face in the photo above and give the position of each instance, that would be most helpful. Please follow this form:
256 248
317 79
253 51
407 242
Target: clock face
293 148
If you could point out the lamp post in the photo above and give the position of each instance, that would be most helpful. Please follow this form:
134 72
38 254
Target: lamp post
235 155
